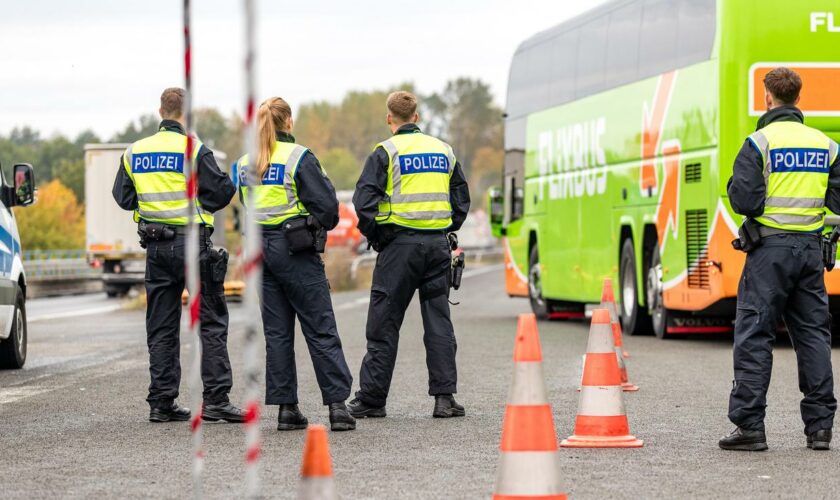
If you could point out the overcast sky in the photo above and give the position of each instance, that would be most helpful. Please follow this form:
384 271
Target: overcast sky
73 65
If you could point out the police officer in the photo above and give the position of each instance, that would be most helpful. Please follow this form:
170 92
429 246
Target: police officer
784 177
411 192
150 181
295 203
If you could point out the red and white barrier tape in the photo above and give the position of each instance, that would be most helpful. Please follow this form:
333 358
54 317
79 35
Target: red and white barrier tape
252 268
191 263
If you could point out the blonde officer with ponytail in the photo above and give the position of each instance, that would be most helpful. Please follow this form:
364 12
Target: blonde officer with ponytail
293 199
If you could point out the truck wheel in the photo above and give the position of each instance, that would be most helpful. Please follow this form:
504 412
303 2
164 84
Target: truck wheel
115 291
13 349
656 306
634 320
538 303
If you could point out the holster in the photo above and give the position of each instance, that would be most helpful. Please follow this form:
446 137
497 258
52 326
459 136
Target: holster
154 231
749 236
828 244
458 265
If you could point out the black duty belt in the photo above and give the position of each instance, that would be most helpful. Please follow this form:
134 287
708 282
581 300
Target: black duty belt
766 232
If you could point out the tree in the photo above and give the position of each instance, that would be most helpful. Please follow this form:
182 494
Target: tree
56 221
342 167
145 126
465 116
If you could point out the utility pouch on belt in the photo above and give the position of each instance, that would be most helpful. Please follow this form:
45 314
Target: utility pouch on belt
829 248
384 236
153 231
298 235
749 237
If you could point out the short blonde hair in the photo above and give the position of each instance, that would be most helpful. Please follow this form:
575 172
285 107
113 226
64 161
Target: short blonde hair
402 105
172 102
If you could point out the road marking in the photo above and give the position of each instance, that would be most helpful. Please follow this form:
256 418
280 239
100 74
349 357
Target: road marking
361 301
482 270
73 314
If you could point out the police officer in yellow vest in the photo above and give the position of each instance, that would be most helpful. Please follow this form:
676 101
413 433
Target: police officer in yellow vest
411 193
784 178
295 204
150 182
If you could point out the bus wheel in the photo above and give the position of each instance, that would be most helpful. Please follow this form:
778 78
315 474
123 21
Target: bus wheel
656 306
633 318
538 304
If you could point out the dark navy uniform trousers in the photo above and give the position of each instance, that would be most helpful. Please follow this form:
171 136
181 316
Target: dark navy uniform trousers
783 280
164 286
415 260
296 285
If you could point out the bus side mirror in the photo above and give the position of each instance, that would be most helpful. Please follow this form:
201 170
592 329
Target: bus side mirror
496 209
24 184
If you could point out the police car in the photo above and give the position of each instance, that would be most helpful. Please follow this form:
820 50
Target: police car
12 278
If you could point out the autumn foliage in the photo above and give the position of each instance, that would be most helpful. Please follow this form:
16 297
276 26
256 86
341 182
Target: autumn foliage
55 221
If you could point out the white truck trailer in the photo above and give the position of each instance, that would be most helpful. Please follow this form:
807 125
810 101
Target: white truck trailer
111 233
112 240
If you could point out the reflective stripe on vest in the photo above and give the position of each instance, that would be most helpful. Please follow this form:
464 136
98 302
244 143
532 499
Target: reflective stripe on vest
276 197
156 166
419 169
797 160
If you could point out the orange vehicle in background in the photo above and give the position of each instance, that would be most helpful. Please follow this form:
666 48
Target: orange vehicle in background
346 234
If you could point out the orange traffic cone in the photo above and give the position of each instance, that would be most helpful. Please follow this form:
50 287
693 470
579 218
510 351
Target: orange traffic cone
528 462
608 303
601 421
626 386
316 482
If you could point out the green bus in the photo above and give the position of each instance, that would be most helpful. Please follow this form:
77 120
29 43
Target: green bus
620 132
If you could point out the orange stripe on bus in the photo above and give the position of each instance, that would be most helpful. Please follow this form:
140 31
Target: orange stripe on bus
819 88
528 428
601 369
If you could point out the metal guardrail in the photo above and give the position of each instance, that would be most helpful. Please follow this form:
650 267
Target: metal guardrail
60 270
34 255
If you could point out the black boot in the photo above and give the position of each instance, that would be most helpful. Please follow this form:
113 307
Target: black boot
744 440
222 411
819 440
360 409
340 419
290 418
446 406
169 413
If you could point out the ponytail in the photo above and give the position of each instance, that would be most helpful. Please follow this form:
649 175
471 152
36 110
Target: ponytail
273 115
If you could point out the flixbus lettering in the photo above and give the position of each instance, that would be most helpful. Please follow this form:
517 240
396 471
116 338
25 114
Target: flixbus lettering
574 149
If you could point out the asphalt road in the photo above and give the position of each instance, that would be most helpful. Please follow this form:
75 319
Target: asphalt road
73 422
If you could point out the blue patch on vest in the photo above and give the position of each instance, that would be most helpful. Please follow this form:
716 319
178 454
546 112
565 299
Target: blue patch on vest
273 176
424 163
814 160
147 163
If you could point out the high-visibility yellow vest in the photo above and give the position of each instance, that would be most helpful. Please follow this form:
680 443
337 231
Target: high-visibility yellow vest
156 166
276 198
797 160
419 169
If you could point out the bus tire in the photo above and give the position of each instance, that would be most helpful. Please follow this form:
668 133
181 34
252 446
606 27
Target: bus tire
539 305
656 307
634 319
